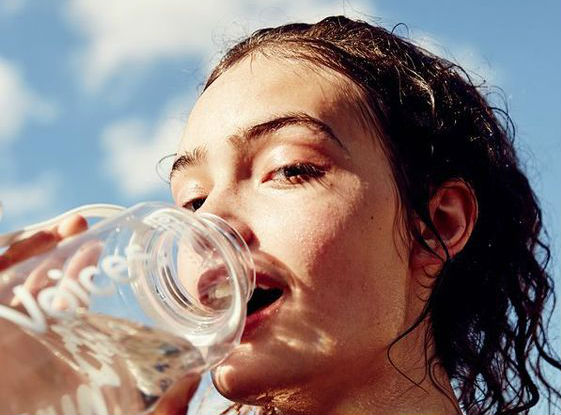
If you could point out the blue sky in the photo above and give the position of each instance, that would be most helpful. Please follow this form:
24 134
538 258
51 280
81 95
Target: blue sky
92 93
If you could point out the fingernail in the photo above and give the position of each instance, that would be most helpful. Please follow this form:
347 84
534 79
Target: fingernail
71 226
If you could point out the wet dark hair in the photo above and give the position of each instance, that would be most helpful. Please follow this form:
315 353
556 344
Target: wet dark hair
488 305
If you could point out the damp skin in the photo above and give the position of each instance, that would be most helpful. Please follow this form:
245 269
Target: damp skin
333 240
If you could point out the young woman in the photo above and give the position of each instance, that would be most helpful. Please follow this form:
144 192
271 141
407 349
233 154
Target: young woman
388 218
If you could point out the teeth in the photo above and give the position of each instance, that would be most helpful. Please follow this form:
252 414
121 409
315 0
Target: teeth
222 290
264 286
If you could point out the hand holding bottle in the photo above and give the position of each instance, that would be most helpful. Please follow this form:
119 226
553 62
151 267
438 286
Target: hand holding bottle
29 366
123 317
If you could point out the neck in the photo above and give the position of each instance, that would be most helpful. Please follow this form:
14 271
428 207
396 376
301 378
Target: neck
368 387
393 393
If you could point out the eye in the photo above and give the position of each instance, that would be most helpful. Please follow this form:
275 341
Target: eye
194 204
297 173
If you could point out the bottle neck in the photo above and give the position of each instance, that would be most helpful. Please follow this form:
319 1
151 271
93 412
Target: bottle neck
241 251
210 252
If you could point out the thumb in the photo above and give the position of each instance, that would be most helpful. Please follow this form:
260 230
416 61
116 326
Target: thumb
176 399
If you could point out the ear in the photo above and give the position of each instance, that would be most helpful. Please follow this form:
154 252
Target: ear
453 211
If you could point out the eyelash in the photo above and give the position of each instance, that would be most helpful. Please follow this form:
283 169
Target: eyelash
293 174
303 172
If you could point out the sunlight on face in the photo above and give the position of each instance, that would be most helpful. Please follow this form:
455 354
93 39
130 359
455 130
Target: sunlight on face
278 150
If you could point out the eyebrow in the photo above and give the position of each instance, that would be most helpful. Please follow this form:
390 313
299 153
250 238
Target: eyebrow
198 155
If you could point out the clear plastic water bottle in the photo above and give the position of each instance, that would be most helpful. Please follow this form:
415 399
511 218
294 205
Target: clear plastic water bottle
112 318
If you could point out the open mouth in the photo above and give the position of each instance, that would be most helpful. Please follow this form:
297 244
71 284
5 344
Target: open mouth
214 291
262 298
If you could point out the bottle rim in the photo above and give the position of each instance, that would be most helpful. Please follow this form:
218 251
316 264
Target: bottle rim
169 309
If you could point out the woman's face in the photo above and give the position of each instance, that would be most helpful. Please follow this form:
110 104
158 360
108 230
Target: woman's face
277 148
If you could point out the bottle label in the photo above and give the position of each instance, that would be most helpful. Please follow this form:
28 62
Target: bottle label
63 299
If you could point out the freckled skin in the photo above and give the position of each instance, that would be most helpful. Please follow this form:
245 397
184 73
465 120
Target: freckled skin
334 240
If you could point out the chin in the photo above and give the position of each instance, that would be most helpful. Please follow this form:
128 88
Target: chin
257 391
245 384
256 371
235 386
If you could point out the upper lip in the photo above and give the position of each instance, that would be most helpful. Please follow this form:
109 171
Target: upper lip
267 280
267 275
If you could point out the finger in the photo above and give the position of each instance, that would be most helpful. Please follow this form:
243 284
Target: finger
87 255
41 241
36 244
71 226
39 278
50 273
176 399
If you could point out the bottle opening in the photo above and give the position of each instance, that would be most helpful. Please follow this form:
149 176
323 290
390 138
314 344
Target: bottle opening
191 278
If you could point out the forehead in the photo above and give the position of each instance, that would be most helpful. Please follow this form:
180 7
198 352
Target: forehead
257 88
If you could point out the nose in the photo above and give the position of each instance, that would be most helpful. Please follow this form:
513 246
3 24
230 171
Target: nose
229 208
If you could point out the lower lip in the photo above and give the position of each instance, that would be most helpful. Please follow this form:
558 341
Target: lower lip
256 320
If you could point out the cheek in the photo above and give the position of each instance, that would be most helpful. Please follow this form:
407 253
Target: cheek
313 238
345 258
322 242
309 235
339 237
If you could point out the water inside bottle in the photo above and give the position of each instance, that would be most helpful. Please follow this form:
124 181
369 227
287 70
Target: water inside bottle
99 364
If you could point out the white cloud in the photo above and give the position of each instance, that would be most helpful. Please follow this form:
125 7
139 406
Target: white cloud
464 55
136 32
126 34
23 199
132 148
18 102
132 33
